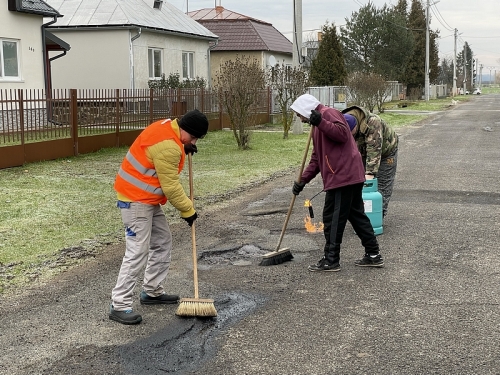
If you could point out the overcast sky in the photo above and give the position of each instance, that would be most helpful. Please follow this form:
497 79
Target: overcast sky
477 22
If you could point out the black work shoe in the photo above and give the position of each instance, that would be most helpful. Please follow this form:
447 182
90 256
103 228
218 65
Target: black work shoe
162 299
125 317
370 261
323 265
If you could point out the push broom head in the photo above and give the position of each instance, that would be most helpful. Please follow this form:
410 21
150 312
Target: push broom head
276 257
196 307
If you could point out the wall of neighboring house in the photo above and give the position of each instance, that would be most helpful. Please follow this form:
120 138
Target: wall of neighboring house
280 58
98 59
172 47
102 59
26 31
218 58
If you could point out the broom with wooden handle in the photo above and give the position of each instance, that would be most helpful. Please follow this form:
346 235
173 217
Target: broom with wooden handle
195 306
279 256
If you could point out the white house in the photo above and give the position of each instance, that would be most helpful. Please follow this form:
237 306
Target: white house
26 47
118 44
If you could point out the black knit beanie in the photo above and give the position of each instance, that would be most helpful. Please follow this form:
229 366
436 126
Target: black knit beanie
195 123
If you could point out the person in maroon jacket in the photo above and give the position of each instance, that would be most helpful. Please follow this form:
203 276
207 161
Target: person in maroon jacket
336 156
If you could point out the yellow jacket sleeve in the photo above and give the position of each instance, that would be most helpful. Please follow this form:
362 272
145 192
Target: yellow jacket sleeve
166 156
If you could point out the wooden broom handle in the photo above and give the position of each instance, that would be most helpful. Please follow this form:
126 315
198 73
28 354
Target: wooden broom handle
294 196
193 232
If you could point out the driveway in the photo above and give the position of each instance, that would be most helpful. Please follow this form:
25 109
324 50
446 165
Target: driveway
433 308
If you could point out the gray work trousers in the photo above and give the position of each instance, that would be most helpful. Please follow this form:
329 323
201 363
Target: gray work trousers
148 242
385 178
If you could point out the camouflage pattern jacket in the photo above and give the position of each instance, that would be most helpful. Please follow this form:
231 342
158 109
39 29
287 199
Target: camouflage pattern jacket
375 139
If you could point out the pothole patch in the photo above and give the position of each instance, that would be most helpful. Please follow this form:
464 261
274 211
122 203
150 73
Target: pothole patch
188 342
237 256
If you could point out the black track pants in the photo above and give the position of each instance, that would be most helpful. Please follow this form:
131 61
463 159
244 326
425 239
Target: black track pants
342 205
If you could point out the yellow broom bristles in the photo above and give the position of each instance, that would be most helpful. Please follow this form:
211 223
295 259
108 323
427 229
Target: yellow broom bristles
196 307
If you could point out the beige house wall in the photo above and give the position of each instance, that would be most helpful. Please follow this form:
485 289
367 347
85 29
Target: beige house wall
98 59
26 29
218 58
173 47
109 59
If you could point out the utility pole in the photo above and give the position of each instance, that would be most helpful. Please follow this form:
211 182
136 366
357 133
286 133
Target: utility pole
297 33
480 75
427 84
455 65
465 68
472 73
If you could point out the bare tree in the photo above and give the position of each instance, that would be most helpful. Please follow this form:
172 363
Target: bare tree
367 90
287 84
239 85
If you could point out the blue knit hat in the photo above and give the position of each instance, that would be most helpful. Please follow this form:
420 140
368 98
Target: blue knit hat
351 121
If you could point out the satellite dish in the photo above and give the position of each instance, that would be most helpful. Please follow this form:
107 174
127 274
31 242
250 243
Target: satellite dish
272 60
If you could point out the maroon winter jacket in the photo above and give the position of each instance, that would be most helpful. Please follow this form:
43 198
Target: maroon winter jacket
335 153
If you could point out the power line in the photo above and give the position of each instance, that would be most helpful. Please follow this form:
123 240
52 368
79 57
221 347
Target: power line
440 18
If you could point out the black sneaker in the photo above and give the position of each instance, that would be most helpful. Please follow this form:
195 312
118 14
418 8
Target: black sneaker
125 317
370 261
323 265
162 299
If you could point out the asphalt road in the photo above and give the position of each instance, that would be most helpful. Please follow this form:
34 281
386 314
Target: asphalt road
433 308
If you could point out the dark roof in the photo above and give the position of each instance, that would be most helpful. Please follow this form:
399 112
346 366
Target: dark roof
241 33
53 43
33 6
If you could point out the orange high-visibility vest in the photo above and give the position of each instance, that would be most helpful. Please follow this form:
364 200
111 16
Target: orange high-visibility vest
137 178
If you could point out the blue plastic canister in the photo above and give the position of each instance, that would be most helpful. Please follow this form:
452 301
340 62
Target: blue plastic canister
372 200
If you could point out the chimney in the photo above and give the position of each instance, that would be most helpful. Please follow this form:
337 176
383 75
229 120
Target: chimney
157 4
219 9
320 36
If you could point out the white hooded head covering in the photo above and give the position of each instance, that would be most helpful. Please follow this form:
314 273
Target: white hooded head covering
304 104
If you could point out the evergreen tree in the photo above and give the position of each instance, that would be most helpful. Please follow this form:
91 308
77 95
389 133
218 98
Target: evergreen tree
415 73
360 36
396 40
464 61
377 41
445 76
328 67
433 56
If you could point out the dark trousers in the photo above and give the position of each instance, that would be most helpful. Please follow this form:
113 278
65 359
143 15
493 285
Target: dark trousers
342 205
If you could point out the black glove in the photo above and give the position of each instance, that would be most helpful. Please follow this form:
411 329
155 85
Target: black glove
298 187
315 118
190 220
190 149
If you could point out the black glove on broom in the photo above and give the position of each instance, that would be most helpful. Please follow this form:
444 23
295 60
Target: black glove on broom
190 220
190 149
298 187
315 118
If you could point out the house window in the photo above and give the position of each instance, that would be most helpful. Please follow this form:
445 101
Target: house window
154 63
188 65
9 61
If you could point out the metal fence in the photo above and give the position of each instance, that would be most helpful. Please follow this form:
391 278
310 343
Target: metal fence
40 125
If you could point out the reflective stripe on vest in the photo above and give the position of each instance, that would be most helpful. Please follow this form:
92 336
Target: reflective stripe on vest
137 178
139 167
142 170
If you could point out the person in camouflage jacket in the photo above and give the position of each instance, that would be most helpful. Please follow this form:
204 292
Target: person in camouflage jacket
378 145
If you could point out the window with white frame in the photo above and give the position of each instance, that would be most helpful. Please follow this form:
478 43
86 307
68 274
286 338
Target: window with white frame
188 65
9 59
155 62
